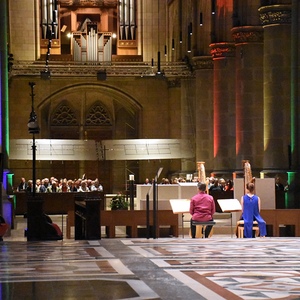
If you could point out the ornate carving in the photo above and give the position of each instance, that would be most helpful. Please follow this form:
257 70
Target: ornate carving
222 50
117 69
203 62
248 34
64 116
98 116
89 3
275 14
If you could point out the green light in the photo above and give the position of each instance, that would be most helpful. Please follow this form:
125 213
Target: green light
4 82
289 197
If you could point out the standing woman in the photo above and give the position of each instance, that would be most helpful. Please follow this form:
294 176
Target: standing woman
250 209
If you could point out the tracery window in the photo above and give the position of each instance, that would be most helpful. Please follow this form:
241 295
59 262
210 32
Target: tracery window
98 116
64 116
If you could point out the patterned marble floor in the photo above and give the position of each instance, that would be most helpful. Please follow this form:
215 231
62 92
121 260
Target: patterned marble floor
166 268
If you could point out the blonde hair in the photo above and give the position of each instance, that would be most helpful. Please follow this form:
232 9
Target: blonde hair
250 187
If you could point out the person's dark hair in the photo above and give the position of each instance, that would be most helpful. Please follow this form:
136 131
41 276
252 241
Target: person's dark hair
201 186
250 187
229 183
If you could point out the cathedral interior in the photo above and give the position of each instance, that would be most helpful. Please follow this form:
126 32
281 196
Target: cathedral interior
220 75
118 89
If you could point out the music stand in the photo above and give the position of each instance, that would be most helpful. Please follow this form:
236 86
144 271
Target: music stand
180 206
153 189
230 205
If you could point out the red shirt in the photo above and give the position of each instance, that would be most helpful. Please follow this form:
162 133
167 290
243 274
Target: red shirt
202 207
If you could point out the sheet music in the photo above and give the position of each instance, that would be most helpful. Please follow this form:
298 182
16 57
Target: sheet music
180 205
230 205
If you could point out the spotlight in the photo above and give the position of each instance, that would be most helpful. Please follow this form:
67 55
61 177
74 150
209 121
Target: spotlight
33 126
45 74
101 75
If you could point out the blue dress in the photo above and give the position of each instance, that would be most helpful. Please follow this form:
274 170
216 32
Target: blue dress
250 214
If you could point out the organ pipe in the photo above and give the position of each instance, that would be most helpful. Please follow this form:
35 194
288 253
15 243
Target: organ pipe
121 20
132 19
127 19
49 16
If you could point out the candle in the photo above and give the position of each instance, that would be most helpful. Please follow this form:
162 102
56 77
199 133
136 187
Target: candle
131 177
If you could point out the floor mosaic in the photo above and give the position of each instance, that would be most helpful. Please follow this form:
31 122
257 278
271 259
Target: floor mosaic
217 268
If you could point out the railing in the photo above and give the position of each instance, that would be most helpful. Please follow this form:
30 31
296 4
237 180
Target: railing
90 69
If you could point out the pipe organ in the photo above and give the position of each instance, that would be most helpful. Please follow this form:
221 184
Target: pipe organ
127 19
92 45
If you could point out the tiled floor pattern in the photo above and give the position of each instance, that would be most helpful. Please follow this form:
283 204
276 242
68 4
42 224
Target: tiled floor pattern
230 268
66 270
166 268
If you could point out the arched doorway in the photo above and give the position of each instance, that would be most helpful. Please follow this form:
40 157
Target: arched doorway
90 112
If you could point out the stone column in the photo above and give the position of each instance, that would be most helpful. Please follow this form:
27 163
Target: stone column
204 109
188 117
276 21
224 106
249 94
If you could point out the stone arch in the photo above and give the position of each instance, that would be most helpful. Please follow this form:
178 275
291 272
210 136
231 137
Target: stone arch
122 98
81 97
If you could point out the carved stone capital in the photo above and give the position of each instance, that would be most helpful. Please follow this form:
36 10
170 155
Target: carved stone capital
202 62
275 14
89 3
248 34
222 50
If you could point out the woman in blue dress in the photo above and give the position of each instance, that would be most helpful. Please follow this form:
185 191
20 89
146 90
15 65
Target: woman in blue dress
250 209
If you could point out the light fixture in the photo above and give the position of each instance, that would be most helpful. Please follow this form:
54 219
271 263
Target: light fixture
189 39
33 126
158 62
201 19
45 74
173 44
213 7
191 28
165 50
180 37
101 75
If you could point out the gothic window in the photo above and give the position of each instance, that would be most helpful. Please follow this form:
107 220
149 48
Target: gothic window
64 116
98 116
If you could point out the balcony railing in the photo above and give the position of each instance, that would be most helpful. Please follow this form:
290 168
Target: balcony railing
90 69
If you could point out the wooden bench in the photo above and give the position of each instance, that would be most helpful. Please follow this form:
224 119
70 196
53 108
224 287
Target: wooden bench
132 220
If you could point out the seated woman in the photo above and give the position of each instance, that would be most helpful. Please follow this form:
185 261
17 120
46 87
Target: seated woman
251 212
